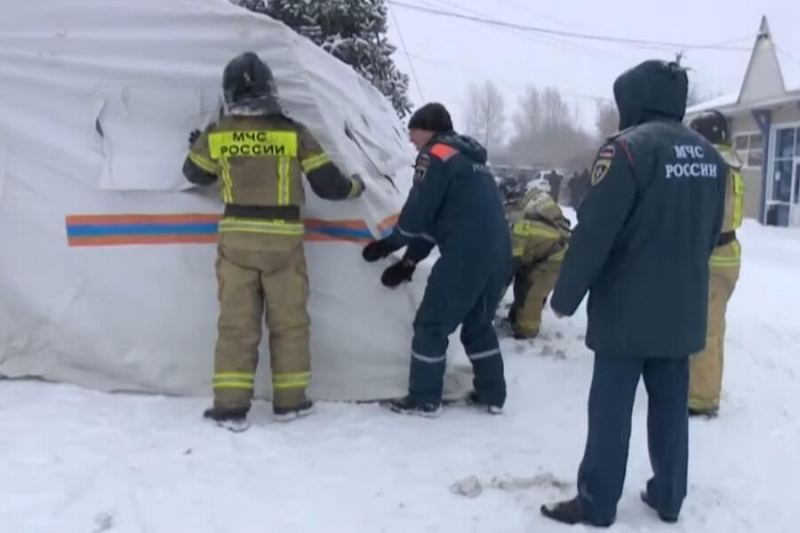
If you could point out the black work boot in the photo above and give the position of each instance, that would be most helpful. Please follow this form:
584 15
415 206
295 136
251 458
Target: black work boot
475 400
231 419
410 406
570 512
285 414
651 504
707 413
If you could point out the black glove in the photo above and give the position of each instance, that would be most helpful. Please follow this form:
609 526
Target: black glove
378 250
398 273
193 136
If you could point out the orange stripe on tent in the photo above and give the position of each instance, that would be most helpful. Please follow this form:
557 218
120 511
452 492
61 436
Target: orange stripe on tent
388 222
351 224
321 237
142 239
123 219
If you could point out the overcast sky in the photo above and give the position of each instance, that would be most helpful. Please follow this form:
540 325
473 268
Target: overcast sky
447 54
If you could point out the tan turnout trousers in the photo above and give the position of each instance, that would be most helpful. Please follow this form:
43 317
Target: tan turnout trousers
540 282
706 366
258 273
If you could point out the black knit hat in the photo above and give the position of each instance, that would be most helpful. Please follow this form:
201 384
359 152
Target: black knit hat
431 117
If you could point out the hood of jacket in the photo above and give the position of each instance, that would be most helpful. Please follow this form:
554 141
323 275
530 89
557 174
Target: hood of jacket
652 90
465 145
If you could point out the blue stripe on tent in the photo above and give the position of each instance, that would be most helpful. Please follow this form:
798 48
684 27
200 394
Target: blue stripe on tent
198 228
203 228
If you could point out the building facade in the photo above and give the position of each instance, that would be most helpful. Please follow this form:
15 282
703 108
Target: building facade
764 120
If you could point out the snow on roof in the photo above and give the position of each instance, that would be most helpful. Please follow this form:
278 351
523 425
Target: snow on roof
719 101
730 102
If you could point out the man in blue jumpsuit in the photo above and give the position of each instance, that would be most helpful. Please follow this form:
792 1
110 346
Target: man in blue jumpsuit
641 248
454 204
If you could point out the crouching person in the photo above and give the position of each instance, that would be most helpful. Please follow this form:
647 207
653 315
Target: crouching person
454 203
540 236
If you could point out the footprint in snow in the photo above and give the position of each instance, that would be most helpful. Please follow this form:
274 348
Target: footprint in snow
472 487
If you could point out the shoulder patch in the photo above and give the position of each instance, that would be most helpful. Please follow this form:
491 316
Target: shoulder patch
421 166
603 162
600 170
607 152
443 151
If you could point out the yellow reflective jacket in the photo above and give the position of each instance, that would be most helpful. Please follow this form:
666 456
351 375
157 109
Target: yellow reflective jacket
734 195
260 161
539 230
729 255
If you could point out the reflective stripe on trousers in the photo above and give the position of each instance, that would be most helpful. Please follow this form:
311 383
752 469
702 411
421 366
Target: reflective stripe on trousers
291 380
441 359
234 380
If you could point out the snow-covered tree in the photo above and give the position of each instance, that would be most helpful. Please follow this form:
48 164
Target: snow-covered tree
354 31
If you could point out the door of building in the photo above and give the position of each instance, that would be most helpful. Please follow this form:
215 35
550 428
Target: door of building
783 190
794 213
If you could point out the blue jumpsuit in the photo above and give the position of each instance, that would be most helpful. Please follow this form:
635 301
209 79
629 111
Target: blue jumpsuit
455 205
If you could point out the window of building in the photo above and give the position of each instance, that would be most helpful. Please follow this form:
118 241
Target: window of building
750 148
787 143
787 148
784 187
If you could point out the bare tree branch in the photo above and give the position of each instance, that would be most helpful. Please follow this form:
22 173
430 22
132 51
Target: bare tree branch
485 115
547 131
606 120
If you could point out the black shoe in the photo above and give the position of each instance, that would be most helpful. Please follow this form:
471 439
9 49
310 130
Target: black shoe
285 414
410 406
231 419
709 413
651 504
569 512
475 400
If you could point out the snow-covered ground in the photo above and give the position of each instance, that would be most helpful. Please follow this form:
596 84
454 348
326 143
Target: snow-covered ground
75 461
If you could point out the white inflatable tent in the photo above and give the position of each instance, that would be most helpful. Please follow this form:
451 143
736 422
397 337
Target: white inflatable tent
106 272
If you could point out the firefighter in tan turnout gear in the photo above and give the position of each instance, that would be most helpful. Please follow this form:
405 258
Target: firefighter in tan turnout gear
705 371
256 155
540 236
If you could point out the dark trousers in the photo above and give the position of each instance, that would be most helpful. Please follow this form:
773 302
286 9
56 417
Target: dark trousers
466 291
602 472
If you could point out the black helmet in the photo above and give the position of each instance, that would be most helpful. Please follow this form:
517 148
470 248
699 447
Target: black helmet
712 125
246 77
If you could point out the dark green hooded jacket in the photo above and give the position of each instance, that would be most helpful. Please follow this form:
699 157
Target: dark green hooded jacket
648 226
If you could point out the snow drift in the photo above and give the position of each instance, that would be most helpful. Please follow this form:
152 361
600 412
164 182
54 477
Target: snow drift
106 274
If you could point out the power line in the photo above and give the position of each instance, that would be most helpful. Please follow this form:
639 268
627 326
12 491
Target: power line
405 49
562 33
516 86
787 55
538 13
541 39
749 36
